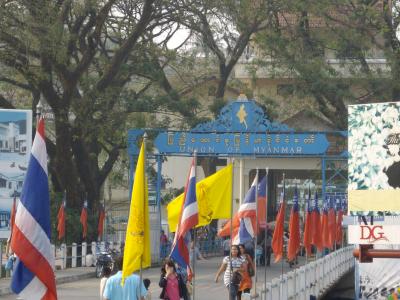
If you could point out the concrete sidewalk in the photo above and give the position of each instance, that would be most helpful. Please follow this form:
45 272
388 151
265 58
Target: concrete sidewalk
62 276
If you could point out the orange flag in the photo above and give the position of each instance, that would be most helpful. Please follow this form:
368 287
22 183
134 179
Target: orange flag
331 224
339 229
324 226
83 220
294 229
308 226
277 238
317 227
61 221
100 226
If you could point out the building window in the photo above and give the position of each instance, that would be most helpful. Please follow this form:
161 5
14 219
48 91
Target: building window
285 90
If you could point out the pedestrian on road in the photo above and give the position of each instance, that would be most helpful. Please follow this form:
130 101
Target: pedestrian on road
163 244
226 245
229 266
171 282
103 281
268 248
195 250
146 283
247 271
133 288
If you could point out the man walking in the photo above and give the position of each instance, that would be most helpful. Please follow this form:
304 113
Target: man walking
133 288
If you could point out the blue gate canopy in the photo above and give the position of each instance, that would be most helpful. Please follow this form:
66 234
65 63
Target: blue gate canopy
240 129
242 143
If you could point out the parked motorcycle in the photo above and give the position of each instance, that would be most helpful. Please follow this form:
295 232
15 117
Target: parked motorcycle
105 259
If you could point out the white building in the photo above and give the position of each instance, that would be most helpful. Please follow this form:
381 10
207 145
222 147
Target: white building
11 140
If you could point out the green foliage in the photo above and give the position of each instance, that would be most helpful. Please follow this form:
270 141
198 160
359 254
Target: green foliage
171 194
73 227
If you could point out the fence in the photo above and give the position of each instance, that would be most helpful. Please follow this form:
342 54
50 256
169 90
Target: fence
68 256
315 278
82 255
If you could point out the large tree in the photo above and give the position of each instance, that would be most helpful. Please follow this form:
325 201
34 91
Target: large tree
330 50
85 59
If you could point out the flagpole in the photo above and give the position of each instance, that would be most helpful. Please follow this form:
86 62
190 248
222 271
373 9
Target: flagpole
306 208
256 237
266 227
194 234
283 236
231 229
65 217
144 200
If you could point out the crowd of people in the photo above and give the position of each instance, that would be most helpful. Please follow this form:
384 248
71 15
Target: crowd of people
237 267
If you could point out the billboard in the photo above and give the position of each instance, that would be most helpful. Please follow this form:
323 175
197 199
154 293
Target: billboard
15 147
380 279
374 157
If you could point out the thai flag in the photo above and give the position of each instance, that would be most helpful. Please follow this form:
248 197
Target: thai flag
189 219
248 206
33 276
245 233
247 213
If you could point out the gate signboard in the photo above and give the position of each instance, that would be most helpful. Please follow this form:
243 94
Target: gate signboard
263 144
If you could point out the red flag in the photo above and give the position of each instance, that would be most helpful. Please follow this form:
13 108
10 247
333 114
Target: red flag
308 225
277 238
294 229
331 225
83 220
324 227
317 228
100 226
339 229
61 221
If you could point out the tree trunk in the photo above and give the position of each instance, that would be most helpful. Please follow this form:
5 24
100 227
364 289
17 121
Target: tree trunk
65 168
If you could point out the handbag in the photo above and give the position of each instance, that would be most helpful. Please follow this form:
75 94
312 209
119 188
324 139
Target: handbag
250 270
9 263
189 287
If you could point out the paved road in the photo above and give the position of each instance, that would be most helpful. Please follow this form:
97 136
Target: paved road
206 288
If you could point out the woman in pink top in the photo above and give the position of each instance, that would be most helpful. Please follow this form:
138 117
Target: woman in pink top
173 287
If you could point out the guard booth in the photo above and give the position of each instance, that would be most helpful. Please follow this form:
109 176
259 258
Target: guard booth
243 133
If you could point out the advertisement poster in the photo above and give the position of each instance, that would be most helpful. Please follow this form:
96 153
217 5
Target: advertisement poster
15 146
374 157
374 195
380 279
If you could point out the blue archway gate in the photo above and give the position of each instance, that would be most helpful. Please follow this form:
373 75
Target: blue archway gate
242 130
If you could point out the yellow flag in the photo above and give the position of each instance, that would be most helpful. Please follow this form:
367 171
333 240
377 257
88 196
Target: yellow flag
137 241
214 197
